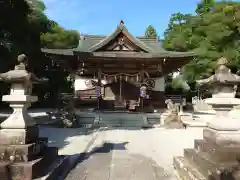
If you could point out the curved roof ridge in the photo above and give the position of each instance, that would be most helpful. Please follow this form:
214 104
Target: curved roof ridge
123 29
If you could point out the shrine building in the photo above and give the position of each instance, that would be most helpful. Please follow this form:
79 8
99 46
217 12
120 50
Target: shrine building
119 64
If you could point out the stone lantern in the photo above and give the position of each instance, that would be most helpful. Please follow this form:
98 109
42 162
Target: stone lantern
23 154
223 86
216 155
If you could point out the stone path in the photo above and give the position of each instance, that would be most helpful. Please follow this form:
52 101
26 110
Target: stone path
129 154
119 154
111 161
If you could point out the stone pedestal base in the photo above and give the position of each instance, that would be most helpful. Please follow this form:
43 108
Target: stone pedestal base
223 138
213 158
18 136
25 156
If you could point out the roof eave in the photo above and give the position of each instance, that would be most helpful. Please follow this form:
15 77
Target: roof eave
65 52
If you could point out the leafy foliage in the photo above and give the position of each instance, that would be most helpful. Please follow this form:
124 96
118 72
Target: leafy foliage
179 82
150 31
213 32
25 29
60 38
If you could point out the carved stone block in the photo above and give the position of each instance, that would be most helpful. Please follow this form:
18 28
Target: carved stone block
220 153
221 137
29 170
208 166
22 153
18 136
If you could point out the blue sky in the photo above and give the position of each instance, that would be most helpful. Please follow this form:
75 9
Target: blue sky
102 16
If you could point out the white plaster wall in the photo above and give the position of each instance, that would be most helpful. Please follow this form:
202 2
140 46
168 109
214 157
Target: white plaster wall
159 84
83 83
79 84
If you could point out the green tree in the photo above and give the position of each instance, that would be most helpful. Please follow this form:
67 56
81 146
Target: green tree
25 29
23 24
58 37
212 33
13 22
150 31
205 6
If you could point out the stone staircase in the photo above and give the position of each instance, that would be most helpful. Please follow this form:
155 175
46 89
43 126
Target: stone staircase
86 120
153 118
136 120
208 161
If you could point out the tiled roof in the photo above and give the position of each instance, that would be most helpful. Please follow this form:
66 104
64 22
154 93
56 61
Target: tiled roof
91 43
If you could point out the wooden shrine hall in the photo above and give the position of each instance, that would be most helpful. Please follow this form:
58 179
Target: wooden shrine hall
112 69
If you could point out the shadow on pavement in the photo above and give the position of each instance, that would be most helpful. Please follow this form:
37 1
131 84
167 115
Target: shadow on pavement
78 159
60 137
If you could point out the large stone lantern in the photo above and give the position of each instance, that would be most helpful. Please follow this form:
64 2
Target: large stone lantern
223 86
23 154
216 156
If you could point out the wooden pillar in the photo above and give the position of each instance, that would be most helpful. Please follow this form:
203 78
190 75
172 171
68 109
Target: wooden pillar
120 88
141 76
99 76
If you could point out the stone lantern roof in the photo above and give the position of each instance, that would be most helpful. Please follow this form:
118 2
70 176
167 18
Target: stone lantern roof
222 75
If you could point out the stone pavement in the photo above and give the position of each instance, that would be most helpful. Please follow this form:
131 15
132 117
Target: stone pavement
120 154
115 154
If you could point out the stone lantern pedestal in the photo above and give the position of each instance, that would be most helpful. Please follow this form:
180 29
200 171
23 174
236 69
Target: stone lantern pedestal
23 154
216 156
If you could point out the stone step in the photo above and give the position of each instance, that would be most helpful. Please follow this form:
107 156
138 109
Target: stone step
209 167
86 120
185 171
121 125
126 120
153 120
221 153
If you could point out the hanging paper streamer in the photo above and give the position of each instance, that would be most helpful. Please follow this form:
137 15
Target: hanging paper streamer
131 78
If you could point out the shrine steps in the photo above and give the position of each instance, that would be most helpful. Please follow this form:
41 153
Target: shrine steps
118 119
208 161
123 121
